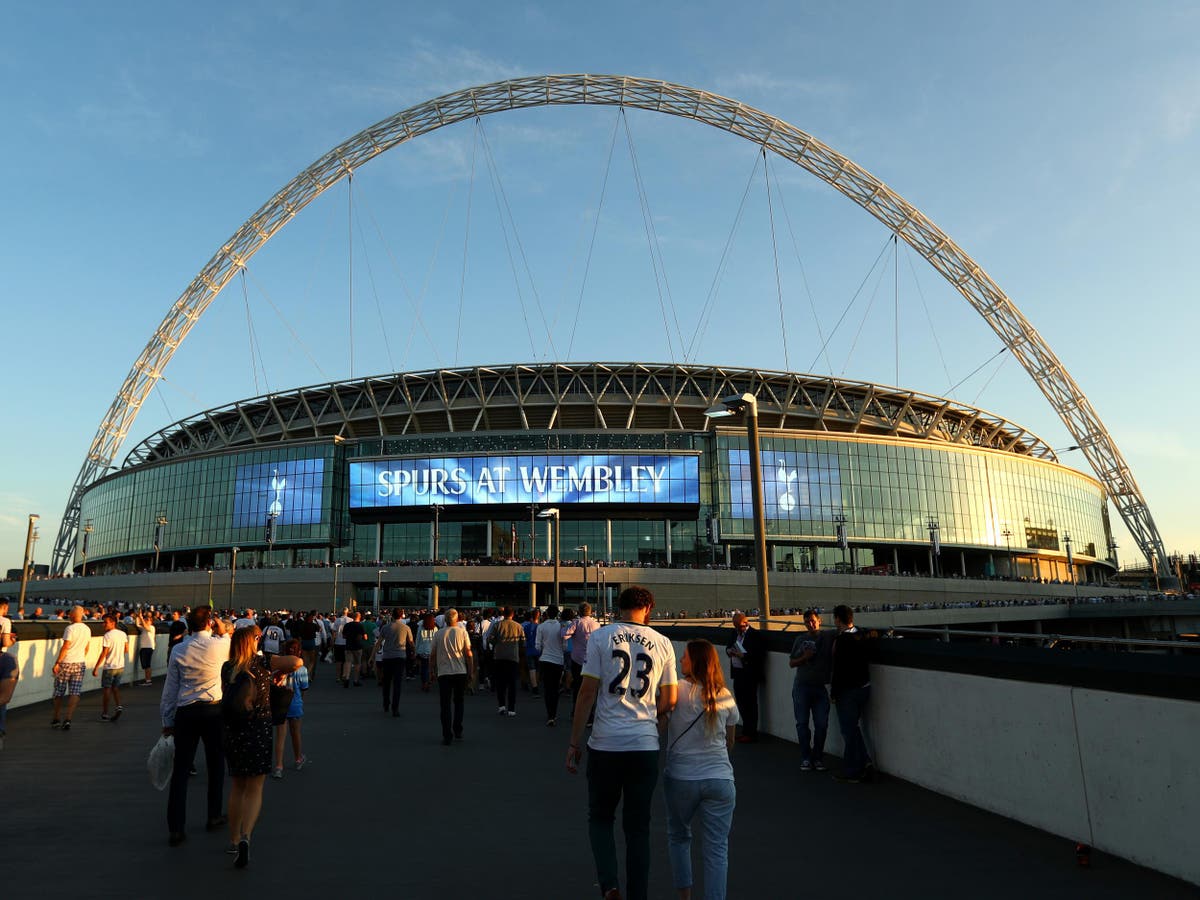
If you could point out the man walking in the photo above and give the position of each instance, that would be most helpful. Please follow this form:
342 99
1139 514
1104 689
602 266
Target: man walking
452 665
191 711
69 667
112 660
396 647
629 676
577 632
747 660
9 672
508 640
851 690
812 658
353 635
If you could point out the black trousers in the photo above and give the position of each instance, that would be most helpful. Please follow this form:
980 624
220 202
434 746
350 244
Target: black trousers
507 673
391 677
551 677
452 688
193 724
630 778
745 692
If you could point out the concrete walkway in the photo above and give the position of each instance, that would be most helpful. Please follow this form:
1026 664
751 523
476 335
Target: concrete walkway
385 810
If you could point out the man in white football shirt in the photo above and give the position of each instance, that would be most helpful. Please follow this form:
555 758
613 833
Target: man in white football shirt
630 677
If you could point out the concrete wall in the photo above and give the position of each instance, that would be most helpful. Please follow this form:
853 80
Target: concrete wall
1116 771
35 661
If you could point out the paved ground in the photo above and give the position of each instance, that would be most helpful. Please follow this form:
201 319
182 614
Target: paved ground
385 810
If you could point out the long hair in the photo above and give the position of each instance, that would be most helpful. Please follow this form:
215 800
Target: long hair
242 648
707 673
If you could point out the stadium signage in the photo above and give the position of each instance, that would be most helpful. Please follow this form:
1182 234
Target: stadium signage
590 478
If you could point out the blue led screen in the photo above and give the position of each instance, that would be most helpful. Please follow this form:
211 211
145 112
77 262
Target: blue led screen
290 488
621 478
796 485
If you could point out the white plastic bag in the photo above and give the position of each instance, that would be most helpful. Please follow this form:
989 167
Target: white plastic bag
161 762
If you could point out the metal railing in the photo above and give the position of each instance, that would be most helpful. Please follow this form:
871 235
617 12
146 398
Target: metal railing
945 634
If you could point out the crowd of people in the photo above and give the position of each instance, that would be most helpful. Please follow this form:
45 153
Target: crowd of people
235 685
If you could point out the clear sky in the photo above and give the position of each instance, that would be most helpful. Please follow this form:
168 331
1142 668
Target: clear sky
1056 143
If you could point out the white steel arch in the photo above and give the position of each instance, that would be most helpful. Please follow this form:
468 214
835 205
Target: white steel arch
773 134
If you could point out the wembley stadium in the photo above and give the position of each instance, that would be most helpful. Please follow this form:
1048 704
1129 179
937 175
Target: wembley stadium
371 472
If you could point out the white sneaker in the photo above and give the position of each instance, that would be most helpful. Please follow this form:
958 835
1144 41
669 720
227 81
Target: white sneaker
301 762
805 766
277 774
511 713
502 710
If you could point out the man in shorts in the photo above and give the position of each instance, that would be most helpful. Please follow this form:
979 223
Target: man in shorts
69 667
353 637
9 671
112 661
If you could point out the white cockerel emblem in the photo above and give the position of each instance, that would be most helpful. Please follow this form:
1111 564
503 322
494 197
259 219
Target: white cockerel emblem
277 485
788 501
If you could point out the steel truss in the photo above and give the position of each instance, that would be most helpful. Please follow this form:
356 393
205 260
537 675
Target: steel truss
773 134
579 397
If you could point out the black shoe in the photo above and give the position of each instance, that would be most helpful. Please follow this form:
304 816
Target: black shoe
55 723
192 770
66 725
117 714
216 824
243 854
175 838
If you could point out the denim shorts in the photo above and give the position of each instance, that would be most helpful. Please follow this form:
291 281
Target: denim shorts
111 678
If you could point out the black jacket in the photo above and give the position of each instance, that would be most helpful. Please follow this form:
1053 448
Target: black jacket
851 662
754 663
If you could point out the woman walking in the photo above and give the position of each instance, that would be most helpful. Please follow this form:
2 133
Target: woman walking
145 643
698 778
298 682
246 705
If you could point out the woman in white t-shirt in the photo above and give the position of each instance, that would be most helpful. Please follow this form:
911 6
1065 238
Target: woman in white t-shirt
146 634
698 779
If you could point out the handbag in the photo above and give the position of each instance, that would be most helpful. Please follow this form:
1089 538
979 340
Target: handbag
281 700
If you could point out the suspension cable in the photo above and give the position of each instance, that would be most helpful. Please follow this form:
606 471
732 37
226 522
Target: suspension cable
866 314
502 195
414 303
842 317
908 256
350 263
718 274
787 363
587 265
462 281
656 262
288 325
383 327
512 264
975 371
995 372
812 305
249 332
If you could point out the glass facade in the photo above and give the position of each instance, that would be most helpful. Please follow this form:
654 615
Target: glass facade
887 490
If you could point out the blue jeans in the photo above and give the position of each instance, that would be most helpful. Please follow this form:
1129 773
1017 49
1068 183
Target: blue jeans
851 707
811 700
713 799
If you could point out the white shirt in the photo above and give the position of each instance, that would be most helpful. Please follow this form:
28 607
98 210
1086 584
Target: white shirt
549 643
146 638
79 635
450 649
338 623
5 628
631 662
271 638
193 674
117 643
243 623
694 752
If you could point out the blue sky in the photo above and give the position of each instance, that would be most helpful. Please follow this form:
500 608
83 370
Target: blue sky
1055 143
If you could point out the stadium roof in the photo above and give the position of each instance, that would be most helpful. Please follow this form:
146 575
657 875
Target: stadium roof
579 397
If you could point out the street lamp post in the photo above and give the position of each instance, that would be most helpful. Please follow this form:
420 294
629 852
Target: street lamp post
160 524
210 574
840 521
533 508
435 593
1071 563
1008 544
584 548
333 607
748 404
33 520
87 533
378 587
233 576
935 546
552 513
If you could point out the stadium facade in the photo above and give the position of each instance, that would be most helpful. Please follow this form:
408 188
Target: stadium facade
364 472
